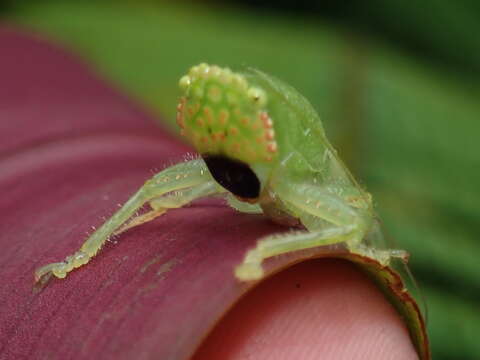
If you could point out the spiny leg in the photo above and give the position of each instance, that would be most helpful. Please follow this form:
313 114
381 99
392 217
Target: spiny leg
181 176
330 221
374 245
173 200
383 256
251 267
139 220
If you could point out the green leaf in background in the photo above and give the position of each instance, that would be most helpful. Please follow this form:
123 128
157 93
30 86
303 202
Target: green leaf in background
407 130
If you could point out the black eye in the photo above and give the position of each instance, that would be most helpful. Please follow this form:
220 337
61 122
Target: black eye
233 175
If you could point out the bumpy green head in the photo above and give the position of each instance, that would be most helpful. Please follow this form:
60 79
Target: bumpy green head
222 115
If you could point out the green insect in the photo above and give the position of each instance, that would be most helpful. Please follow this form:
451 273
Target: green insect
263 147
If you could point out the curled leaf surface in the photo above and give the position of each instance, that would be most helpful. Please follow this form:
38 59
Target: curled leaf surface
71 150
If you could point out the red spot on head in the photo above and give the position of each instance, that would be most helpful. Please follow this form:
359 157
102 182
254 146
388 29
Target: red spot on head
272 147
266 121
180 120
180 108
218 136
200 122
270 134
223 117
236 147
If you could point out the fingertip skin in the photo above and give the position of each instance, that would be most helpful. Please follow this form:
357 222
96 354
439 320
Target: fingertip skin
319 309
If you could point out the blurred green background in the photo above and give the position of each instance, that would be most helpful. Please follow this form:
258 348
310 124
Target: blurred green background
396 83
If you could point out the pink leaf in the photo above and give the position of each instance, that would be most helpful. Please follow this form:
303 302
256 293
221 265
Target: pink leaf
72 149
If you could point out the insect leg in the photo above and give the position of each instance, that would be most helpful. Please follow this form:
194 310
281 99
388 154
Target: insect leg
243 206
173 200
251 269
334 221
181 176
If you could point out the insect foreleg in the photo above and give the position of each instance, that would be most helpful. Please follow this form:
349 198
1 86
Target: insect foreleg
181 176
174 200
243 206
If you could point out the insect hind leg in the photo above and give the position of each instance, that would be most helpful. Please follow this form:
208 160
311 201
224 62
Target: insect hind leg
251 267
383 256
